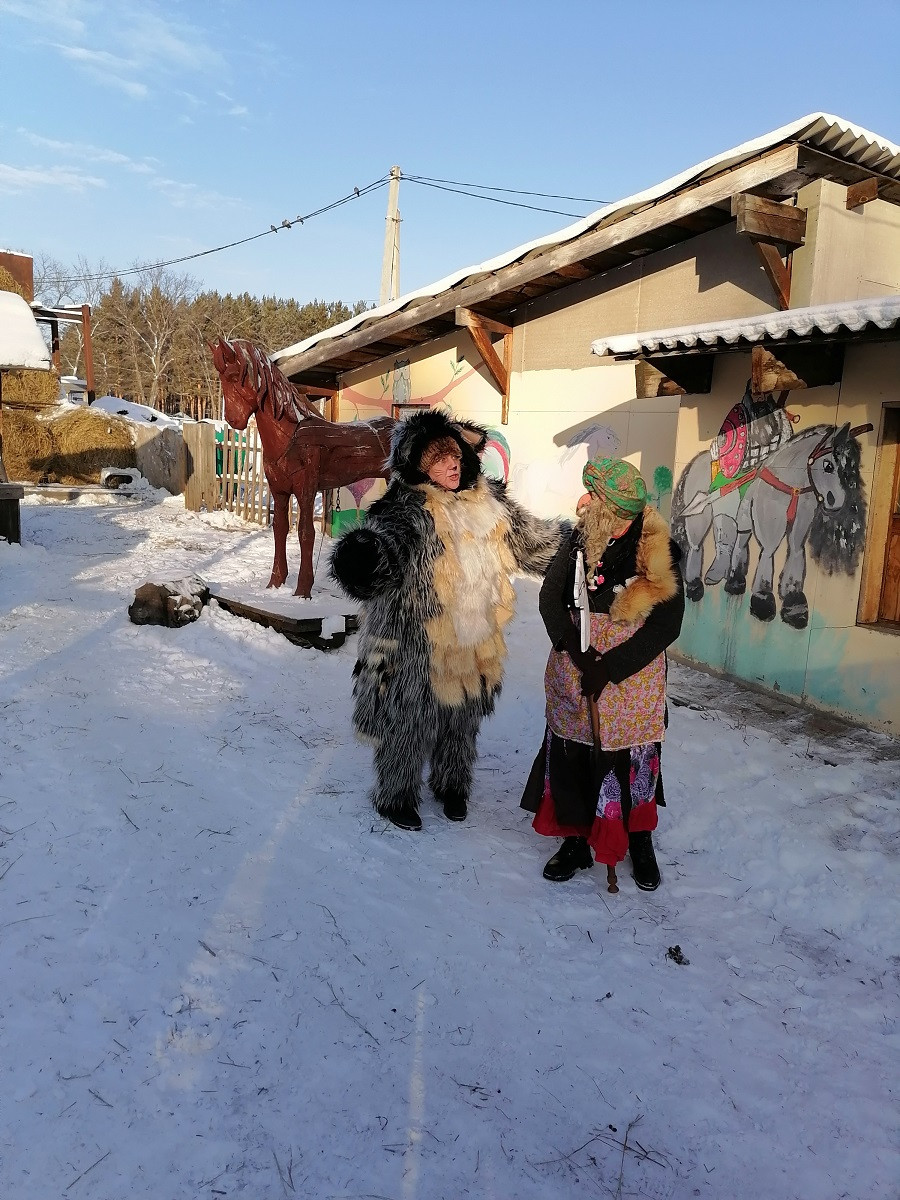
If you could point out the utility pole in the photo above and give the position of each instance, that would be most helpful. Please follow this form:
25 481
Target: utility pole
390 263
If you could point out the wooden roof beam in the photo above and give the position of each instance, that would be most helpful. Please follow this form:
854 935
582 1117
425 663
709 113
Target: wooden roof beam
480 328
617 232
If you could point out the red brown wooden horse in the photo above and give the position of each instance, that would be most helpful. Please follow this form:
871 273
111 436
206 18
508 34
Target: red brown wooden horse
303 453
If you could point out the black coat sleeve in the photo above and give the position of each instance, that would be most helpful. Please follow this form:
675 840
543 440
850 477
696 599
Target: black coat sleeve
658 632
555 613
372 559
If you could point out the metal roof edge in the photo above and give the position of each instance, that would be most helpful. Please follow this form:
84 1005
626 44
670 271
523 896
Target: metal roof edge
853 315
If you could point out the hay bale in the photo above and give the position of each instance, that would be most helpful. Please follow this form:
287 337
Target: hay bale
86 441
28 446
37 391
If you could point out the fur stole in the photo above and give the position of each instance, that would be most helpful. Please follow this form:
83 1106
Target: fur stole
655 581
472 586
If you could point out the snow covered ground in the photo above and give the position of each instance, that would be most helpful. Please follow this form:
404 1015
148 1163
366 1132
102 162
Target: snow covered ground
223 976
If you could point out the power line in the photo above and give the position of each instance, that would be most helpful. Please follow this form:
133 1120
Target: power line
484 187
101 276
495 199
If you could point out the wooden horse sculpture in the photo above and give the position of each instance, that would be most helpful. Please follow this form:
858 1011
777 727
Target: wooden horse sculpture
303 453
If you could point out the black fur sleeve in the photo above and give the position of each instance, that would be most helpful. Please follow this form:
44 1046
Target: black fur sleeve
372 559
533 540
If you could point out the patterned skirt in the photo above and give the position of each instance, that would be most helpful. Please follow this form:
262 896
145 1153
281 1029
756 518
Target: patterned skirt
574 790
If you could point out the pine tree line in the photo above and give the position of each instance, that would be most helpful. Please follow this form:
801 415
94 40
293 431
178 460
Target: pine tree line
150 333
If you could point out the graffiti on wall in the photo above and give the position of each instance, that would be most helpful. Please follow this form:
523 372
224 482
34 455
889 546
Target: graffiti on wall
759 479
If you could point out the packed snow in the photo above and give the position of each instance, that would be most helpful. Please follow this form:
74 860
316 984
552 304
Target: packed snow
223 975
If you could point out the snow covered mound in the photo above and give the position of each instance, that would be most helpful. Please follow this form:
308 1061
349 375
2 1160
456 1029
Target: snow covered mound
141 413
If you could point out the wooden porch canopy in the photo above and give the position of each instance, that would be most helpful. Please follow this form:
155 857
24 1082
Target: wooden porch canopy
802 347
79 314
770 170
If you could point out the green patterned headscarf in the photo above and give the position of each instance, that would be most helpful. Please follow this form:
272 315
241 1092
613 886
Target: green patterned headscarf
618 484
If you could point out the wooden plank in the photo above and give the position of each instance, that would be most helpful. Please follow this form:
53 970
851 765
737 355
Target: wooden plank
302 631
889 603
778 274
862 193
768 222
308 389
201 485
474 320
490 358
574 271
889 607
616 231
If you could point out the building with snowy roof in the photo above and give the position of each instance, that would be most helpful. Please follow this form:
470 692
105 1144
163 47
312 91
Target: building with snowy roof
733 332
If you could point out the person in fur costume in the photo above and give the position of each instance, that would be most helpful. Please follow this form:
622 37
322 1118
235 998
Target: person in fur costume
596 781
431 565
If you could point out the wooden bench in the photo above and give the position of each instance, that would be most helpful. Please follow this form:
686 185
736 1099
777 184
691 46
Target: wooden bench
10 524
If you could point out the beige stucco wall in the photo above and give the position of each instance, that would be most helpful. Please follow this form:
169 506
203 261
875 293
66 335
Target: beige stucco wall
564 404
848 254
833 662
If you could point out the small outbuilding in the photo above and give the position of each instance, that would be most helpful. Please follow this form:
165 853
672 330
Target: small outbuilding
785 253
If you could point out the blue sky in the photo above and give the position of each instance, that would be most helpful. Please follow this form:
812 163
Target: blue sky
136 132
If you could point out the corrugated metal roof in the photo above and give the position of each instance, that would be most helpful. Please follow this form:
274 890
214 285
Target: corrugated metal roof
821 131
854 316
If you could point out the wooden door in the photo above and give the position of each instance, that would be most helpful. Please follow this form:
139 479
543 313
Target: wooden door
889 605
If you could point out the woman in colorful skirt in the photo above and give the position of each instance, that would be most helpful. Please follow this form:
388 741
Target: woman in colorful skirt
612 602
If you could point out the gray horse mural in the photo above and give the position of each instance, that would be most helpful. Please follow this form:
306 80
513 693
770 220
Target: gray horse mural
765 482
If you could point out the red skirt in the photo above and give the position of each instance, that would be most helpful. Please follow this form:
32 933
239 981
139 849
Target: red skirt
606 832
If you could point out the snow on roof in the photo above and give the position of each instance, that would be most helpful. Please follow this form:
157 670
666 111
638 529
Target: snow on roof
21 345
832 135
853 316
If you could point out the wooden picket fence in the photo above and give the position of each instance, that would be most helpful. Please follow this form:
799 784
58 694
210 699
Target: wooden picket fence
228 474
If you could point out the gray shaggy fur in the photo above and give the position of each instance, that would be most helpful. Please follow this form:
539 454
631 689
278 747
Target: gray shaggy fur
388 565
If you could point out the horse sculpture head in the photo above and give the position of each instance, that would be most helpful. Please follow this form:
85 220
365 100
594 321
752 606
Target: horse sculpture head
252 382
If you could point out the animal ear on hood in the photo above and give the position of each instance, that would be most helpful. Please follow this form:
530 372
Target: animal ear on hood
473 434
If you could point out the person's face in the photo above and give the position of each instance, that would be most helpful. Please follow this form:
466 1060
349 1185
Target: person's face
445 472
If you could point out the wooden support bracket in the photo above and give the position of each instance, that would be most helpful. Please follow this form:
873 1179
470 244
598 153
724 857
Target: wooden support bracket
790 367
862 192
480 329
778 272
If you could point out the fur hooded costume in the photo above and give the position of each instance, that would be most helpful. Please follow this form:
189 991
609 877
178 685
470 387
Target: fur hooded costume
431 568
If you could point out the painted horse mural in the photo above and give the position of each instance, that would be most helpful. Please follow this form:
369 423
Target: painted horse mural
711 489
303 453
807 490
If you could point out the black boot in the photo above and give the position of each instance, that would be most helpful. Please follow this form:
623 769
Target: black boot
573 855
405 816
455 805
644 868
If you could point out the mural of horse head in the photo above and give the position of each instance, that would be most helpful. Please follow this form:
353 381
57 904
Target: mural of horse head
303 453
838 528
